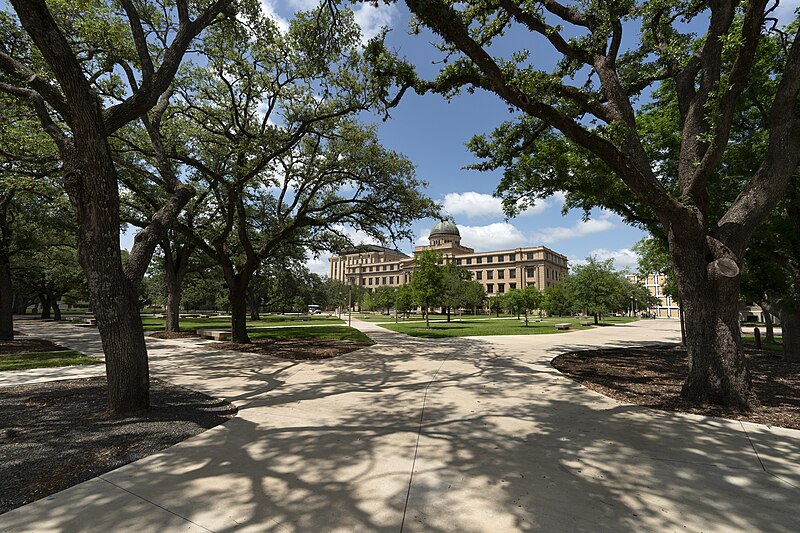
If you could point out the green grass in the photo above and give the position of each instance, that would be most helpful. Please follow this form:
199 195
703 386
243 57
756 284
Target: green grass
470 328
341 333
22 361
777 347
192 324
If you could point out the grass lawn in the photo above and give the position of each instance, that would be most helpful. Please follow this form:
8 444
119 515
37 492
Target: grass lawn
22 361
777 347
192 324
377 317
469 328
341 333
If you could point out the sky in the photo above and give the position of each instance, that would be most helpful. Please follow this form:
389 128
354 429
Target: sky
432 131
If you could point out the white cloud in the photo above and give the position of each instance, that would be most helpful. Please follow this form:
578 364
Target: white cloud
476 204
623 258
492 237
372 19
318 265
356 236
422 240
269 10
579 229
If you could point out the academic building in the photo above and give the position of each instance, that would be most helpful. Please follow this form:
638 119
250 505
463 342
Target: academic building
667 307
499 271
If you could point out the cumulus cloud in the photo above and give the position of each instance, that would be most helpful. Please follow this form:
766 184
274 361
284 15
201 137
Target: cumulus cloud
623 258
492 237
356 236
579 229
318 265
476 204
373 19
269 10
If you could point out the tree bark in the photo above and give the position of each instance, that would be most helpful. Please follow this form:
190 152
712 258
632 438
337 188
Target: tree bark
790 328
237 293
20 306
252 302
6 300
172 320
769 336
46 302
709 289
56 308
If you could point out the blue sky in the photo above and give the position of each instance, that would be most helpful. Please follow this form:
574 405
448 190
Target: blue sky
432 132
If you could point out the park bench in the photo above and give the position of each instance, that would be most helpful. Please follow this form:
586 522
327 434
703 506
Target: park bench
214 334
90 321
587 323
565 325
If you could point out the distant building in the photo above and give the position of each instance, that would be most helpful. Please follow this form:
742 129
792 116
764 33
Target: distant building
498 271
667 308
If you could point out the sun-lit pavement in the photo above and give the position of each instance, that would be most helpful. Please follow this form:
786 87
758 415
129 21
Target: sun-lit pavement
465 434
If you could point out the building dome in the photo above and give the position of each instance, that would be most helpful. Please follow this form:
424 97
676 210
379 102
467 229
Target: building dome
444 228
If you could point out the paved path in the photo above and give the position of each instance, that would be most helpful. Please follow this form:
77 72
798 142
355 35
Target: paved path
432 435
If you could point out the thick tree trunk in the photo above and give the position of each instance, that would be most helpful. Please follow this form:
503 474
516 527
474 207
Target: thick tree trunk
21 302
238 299
172 321
448 313
6 300
709 290
46 305
56 308
790 328
595 319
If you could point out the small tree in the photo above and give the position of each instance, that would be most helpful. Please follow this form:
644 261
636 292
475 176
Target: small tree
427 281
405 300
497 303
597 288
474 295
456 279
557 300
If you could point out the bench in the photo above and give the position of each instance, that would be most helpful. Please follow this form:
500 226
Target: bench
587 323
214 334
563 326
90 321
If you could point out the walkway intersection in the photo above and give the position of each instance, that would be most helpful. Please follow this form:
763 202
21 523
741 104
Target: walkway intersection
469 434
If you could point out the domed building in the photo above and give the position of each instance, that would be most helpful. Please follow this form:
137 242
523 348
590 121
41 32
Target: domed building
498 271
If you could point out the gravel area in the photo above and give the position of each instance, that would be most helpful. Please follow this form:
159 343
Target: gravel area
653 376
29 344
55 435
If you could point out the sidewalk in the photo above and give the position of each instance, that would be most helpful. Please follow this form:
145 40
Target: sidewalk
433 435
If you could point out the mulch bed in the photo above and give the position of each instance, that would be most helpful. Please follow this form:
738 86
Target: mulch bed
29 345
293 349
653 376
174 335
55 435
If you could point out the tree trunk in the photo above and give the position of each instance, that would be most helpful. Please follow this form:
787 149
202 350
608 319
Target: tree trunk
174 273
448 313
709 291
172 317
790 328
6 300
769 336
56 308
238 299
20 306
46 305
595 319
252 301
427 318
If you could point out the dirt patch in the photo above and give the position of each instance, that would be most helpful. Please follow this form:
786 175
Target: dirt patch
55 435
653 377
293 349
29 345
174 335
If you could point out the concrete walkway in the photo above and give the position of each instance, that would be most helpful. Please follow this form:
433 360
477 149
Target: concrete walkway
463 434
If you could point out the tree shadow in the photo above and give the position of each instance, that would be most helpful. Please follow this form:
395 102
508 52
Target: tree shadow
504 443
